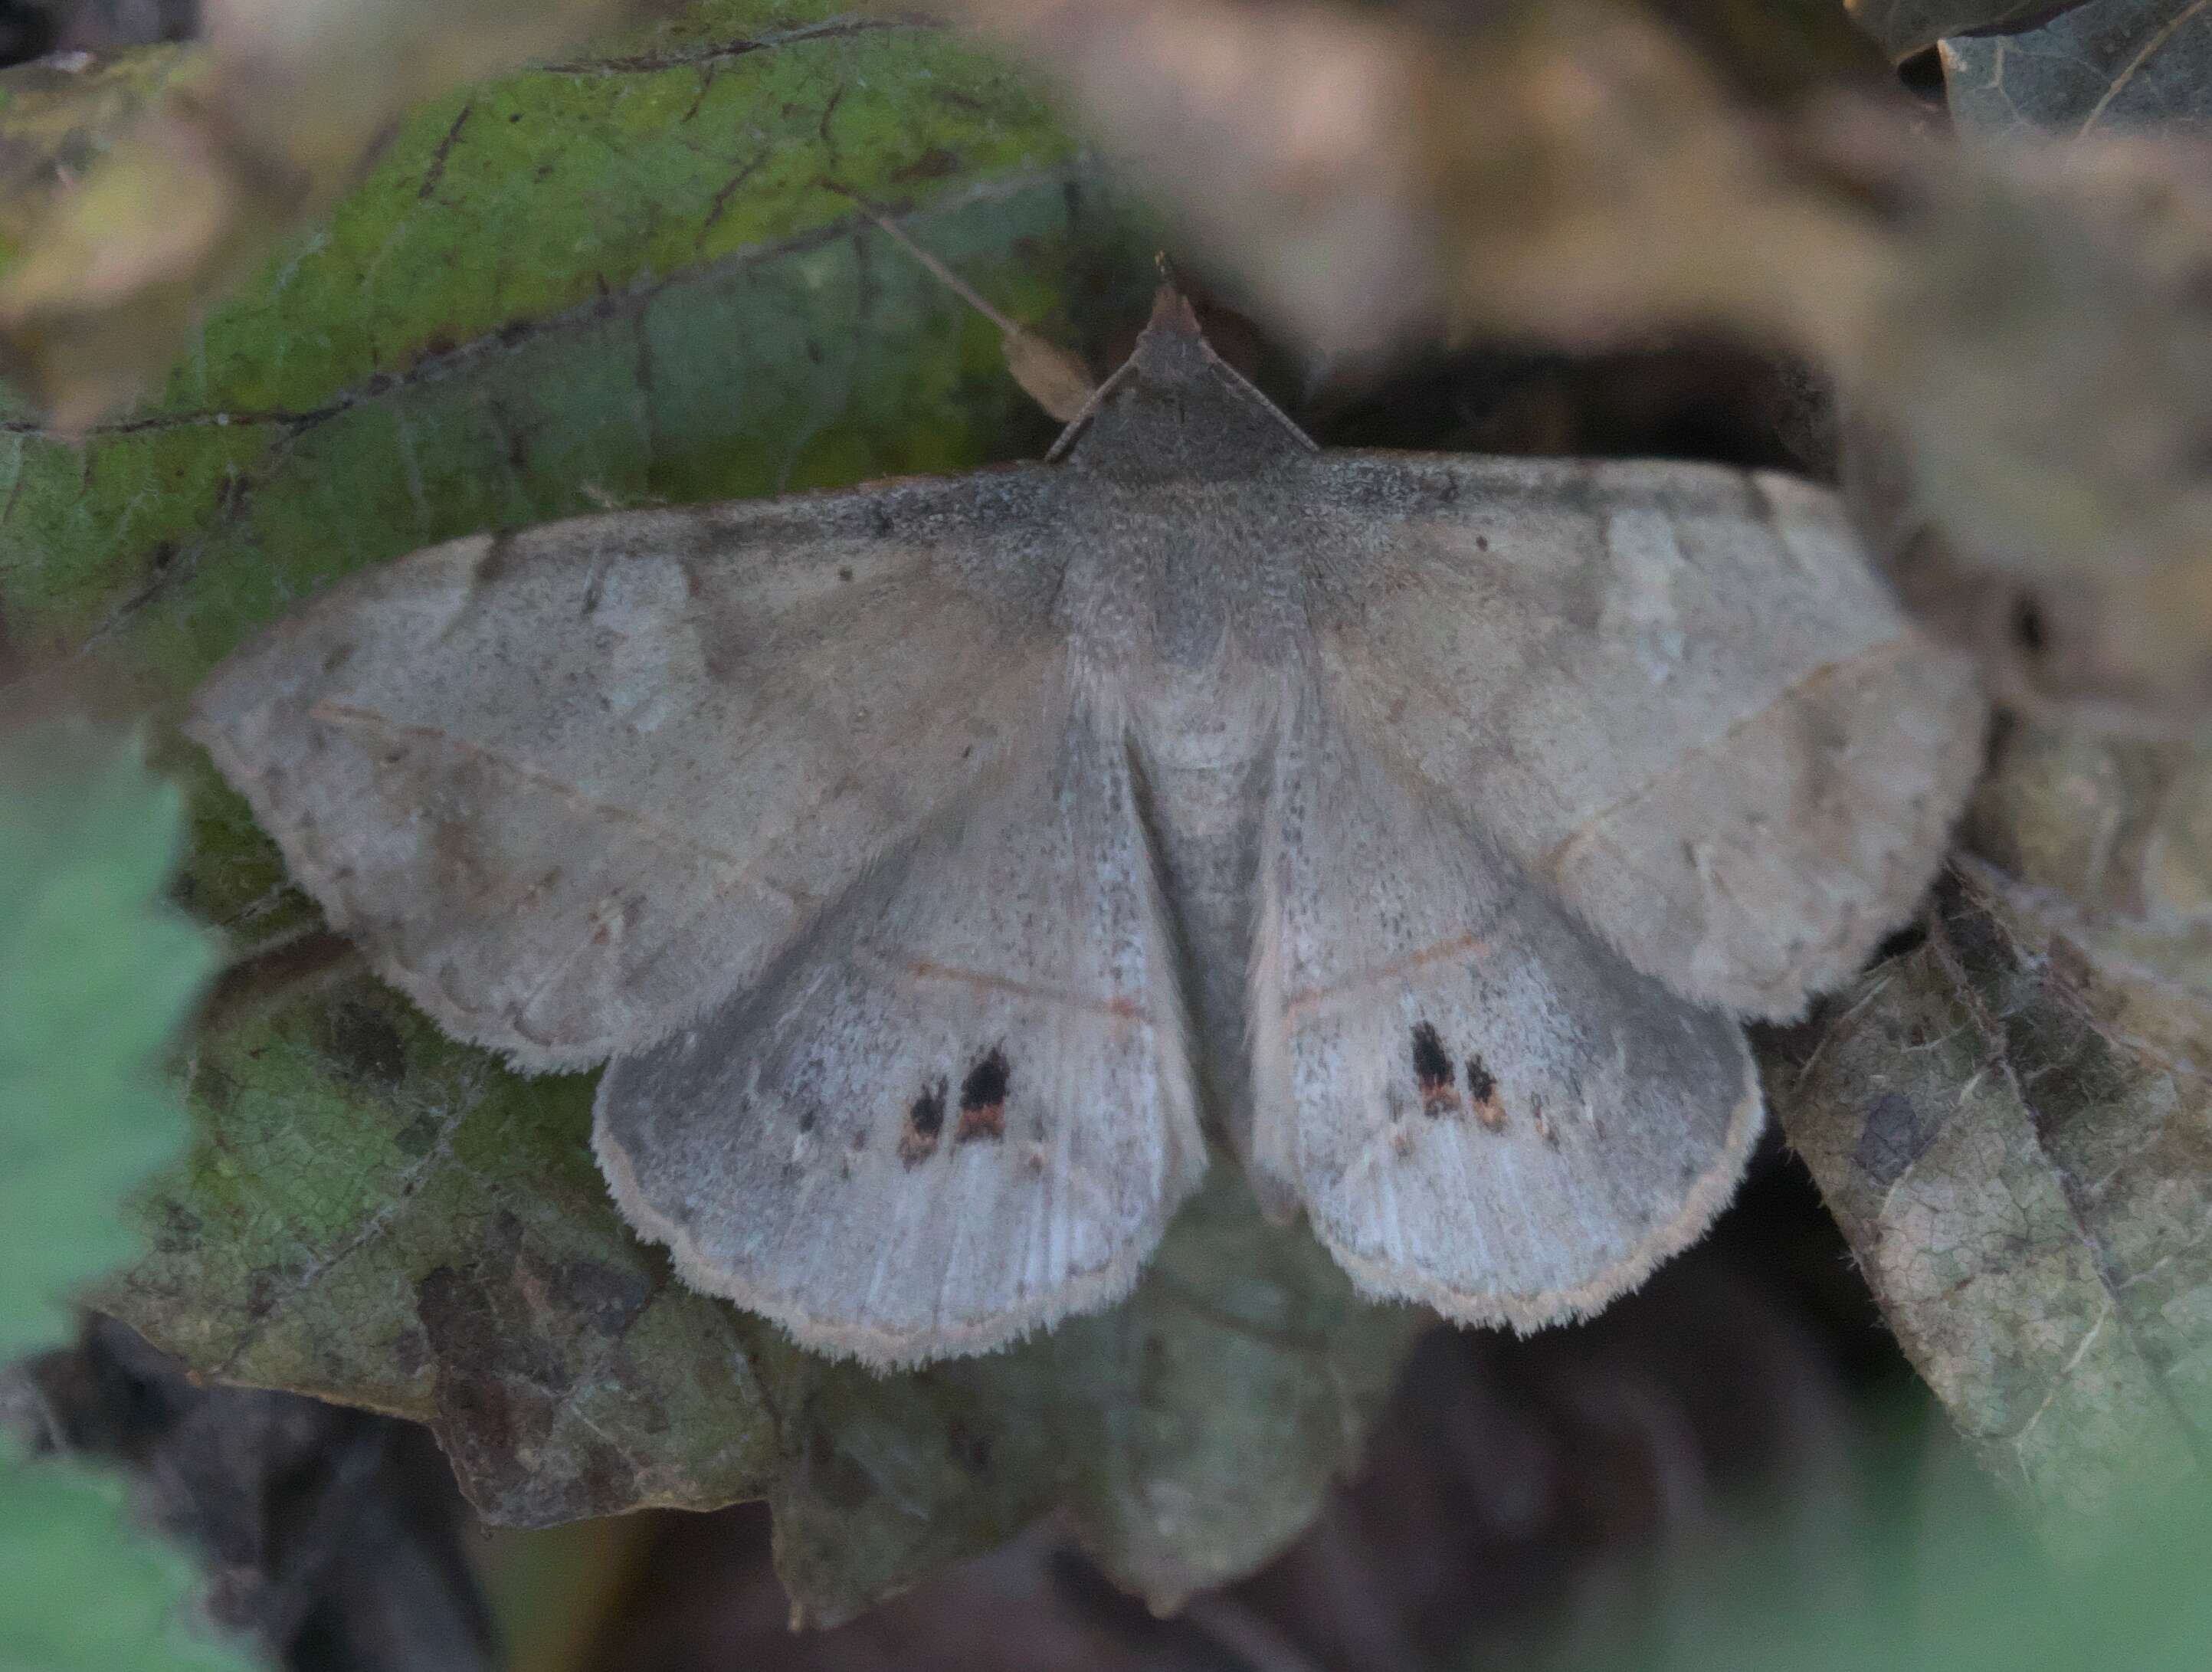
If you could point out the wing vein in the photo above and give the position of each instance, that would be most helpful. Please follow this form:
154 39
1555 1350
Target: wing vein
349 714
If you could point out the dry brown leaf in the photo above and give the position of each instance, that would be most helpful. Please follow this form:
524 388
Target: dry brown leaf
2039 382
1274 131
1569 170
2042 369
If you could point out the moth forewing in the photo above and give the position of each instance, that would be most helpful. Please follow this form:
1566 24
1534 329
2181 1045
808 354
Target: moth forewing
571 786
1675 693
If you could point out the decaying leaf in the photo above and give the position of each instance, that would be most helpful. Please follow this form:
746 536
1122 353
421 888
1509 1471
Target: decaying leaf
2097 67
2013 1121
1906 26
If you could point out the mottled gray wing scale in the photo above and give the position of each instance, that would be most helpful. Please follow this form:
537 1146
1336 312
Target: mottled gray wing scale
571 786
962 1110
1479 1104
1675 693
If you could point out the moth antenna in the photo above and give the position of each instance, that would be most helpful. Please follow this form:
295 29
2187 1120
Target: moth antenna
1048 374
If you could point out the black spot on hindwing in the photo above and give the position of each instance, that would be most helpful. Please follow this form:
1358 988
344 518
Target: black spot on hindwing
925 1119
983 1098
1482 1092
1432 1072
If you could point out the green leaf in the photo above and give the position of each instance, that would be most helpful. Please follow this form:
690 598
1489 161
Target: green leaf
86 1591
643 278
95 972
1945 1581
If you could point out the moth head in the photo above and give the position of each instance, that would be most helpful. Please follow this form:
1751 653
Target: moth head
1176 410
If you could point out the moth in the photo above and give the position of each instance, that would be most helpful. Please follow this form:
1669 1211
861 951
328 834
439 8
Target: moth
943 865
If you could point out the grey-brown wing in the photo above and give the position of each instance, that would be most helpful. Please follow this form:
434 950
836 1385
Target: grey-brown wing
569 786
960 1108
1675 693
1478 1103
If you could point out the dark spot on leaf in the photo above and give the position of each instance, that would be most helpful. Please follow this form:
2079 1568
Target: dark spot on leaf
410 1351
473 1405
1432 1072
971 1450
604 1300
842 1483
1895 1135
214 1090
1482 1091
605 1476
983 1098
415 1140
925 1119
364 1047
180 1229
935 163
